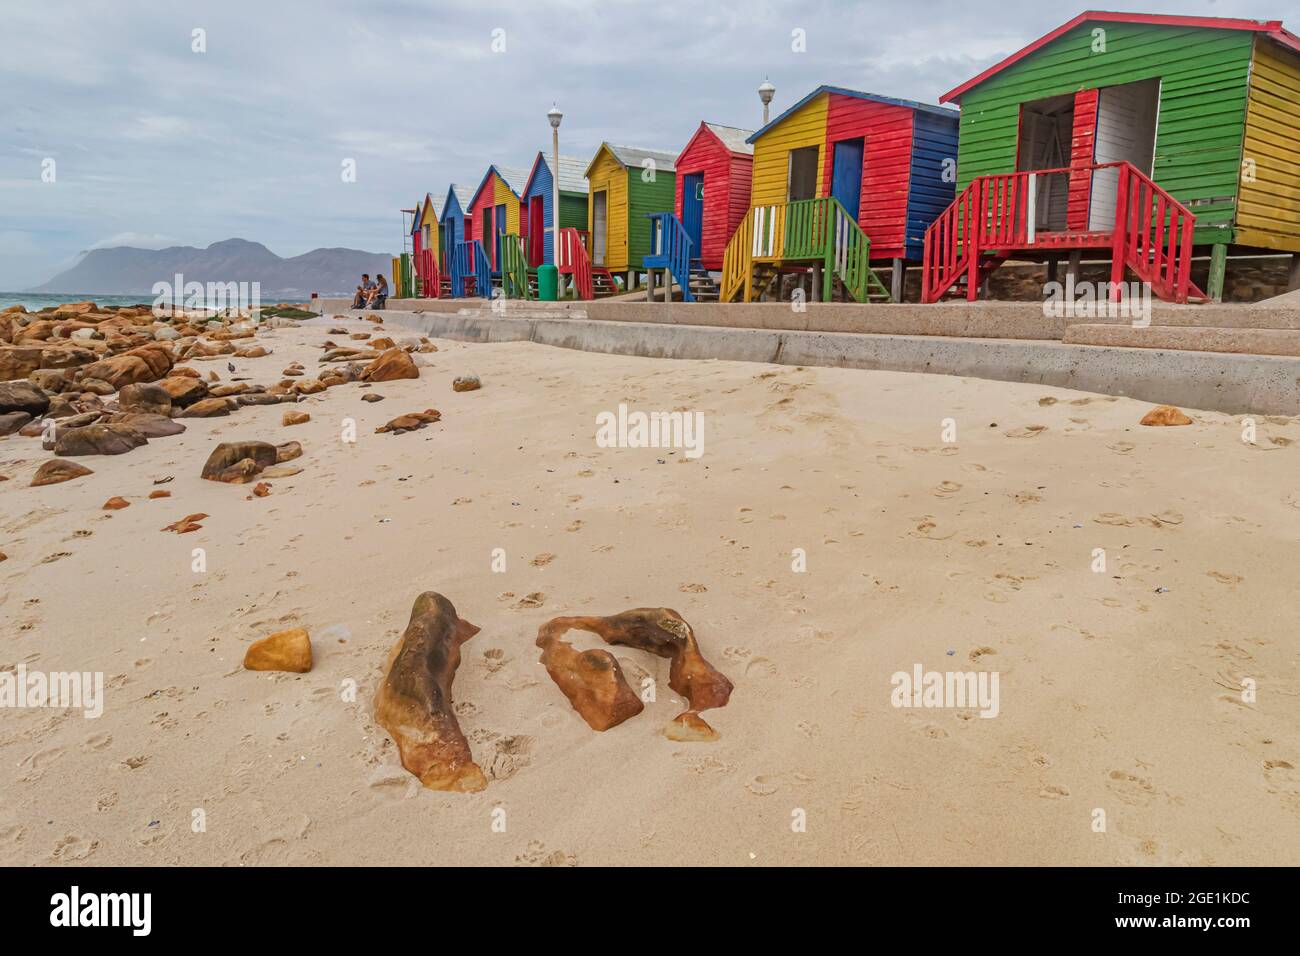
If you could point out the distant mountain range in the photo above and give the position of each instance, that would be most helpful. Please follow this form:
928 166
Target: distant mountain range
124 270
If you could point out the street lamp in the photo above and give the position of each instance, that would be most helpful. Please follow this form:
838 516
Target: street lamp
554 115
765 92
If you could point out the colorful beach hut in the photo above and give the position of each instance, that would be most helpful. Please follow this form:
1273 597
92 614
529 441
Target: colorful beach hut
464 263
538 199
425 246
627 184
1144 138
714 173
841 179
494 210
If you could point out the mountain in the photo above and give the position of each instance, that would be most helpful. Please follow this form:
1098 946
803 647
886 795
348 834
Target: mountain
124 270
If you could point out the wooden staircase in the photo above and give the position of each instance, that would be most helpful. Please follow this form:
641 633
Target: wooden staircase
514 267
771 239
589 282
703 288
429 281
671 250
996 217
471 270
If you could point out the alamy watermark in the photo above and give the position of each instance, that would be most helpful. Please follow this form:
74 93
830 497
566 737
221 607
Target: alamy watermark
243 298
82 690
1095 300
624 429
976 690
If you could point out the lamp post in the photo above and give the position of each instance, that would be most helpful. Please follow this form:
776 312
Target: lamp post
765 93
554 115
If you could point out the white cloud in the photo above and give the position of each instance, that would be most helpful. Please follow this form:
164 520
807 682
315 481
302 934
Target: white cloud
138 240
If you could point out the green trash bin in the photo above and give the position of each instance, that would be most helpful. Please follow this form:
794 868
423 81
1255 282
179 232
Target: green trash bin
548 280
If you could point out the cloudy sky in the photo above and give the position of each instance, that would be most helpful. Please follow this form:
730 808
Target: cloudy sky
155 144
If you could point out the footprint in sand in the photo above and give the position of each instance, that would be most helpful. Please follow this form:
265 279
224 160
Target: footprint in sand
978 652
1054 792
96 742
509 755
946 489
542 560
1132 789
71 848
761 667
763 785
1026 431
536 855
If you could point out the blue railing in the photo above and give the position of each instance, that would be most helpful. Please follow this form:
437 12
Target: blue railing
469 260
670 248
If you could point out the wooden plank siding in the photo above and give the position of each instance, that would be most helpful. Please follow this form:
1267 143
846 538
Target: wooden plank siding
1203 72
645 198
1083 143
727 180
541 184
429 229
1268 214
886 131
805 127
608 174
933 177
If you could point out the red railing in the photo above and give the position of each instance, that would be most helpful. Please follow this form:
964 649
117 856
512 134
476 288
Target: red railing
426 269
574 261
1153 237
1152 232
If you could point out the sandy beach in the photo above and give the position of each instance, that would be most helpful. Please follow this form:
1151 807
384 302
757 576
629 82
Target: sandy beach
1120 691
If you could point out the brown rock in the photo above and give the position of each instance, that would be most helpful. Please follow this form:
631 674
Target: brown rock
147 363
252 351
145 397
23 397
410 421
150 426
383 344
294 418
466 383
282 651
262 454
160 493
97 439
391 365
187 524
95 386
414 702
1165 415
287 452
241 472
56 470
261 489
183 389
51 379
18 361
184 371
280 471
259 398
309 386
206 408
372 397
116 503
11 422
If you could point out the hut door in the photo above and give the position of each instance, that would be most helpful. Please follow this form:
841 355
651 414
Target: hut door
598 227
1126 132
1046 128
500 217
536 233
846 175
693 210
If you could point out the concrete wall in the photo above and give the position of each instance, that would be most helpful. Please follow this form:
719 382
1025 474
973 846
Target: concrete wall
1198 380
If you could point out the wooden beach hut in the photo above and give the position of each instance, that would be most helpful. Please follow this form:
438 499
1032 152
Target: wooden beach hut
462 261
494 210
627 184
538 198
840 180
425 247
1145 139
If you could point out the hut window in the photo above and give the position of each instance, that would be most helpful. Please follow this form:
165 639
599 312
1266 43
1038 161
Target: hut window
804 165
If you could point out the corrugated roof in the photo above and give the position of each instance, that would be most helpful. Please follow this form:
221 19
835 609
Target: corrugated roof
462 194
1273 29
515 177
733 138
636 156
573 173
910 104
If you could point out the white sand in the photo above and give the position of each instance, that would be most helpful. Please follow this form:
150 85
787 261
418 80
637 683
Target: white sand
1113 696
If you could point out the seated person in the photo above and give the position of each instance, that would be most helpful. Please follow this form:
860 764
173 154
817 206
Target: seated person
363 291
379 294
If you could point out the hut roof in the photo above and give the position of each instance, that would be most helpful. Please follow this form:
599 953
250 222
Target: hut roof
630 156
734 138
573 177
875 98
1270 28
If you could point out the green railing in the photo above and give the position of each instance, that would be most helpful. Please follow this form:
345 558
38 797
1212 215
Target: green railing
514 267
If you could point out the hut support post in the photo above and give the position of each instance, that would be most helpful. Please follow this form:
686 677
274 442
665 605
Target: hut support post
650 286
897 278
1293 279
1218 269
816 285
1075 265
1053 265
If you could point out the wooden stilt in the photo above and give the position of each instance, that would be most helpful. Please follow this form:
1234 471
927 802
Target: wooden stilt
897 280
1053 266
1218 270
1075 265
1293 280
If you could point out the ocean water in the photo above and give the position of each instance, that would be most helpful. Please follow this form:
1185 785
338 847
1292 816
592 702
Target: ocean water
34 302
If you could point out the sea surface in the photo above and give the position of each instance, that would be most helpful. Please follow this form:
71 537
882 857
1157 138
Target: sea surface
34 301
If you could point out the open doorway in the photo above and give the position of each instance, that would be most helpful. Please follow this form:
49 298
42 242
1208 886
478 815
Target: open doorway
599 226
1046 127
1126 132
805 163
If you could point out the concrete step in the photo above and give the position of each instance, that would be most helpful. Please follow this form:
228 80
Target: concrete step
1187 338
